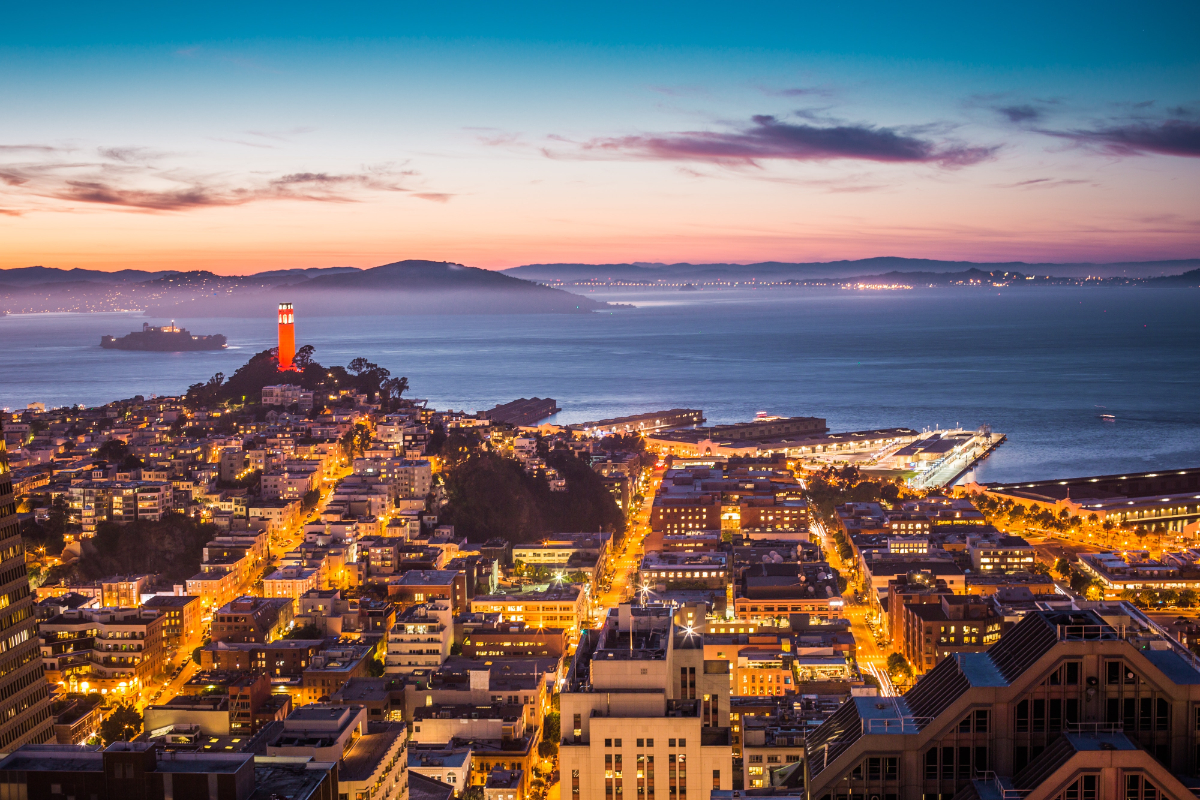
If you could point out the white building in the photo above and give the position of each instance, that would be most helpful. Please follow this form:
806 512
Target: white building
420 639
286 394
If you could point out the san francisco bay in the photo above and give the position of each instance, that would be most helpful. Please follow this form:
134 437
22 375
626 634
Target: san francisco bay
861 359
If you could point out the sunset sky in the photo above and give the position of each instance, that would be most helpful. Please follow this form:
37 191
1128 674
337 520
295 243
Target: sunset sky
303 134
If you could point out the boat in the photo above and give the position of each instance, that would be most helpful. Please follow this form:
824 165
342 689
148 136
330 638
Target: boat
1108 417
167 339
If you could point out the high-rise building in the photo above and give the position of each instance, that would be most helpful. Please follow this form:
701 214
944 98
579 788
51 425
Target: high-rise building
1092 704
24 694
287 336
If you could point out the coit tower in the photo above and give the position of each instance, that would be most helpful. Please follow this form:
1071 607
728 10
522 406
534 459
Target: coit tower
287 336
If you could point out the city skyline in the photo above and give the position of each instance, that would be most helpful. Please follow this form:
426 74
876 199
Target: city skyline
238 142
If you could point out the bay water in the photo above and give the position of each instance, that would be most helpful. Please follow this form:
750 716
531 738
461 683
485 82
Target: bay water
1038 364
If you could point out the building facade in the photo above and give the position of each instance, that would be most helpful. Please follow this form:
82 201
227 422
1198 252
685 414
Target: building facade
24 694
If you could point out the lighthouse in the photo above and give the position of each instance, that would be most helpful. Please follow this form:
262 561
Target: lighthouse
287 336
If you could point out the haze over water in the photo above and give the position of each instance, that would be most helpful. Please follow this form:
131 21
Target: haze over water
1038 365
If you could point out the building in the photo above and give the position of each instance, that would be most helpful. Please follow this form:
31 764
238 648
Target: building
1135 571
252 619
676 515
331 667
293 481
95 501
514 641
420 638
283 657
142 770
776 590
1095 703
107 649
371 757
568 552
564 606
504 784
705 570
642 423
932 632
425 585
291 582
1000 554
645 712
1158 500
450 765
768 514
180 617
77 718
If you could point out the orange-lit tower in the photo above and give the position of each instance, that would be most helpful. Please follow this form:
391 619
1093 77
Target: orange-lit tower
287 336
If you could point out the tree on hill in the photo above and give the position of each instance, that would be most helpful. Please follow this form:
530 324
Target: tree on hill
171 547
247 382
492 496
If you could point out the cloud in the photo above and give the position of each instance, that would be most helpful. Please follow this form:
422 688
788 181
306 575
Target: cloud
1172 137
133 179
767 138
798 91
34 148
1044 183
436 197
129 155
1021 113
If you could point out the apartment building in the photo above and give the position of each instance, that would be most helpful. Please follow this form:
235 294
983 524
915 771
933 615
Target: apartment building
94 501
561 607
424 585
180 615
252 619
645 712
420 638
110 649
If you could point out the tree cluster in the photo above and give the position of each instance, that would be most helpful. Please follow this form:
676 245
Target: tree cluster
246 384
171 547
491 496
832 487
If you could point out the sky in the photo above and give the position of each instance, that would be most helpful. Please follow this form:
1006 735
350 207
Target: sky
242 137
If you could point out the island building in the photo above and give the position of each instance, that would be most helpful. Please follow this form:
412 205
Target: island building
24 693
287 336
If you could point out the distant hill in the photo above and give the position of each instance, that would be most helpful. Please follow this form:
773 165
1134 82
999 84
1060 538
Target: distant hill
404 287
33 276
39 276
835 270
1191 278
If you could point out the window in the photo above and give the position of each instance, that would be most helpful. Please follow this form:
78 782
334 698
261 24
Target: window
981 720
641 742
649 743
716 779
617 743
671 742
1112 672
608 742
683 742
